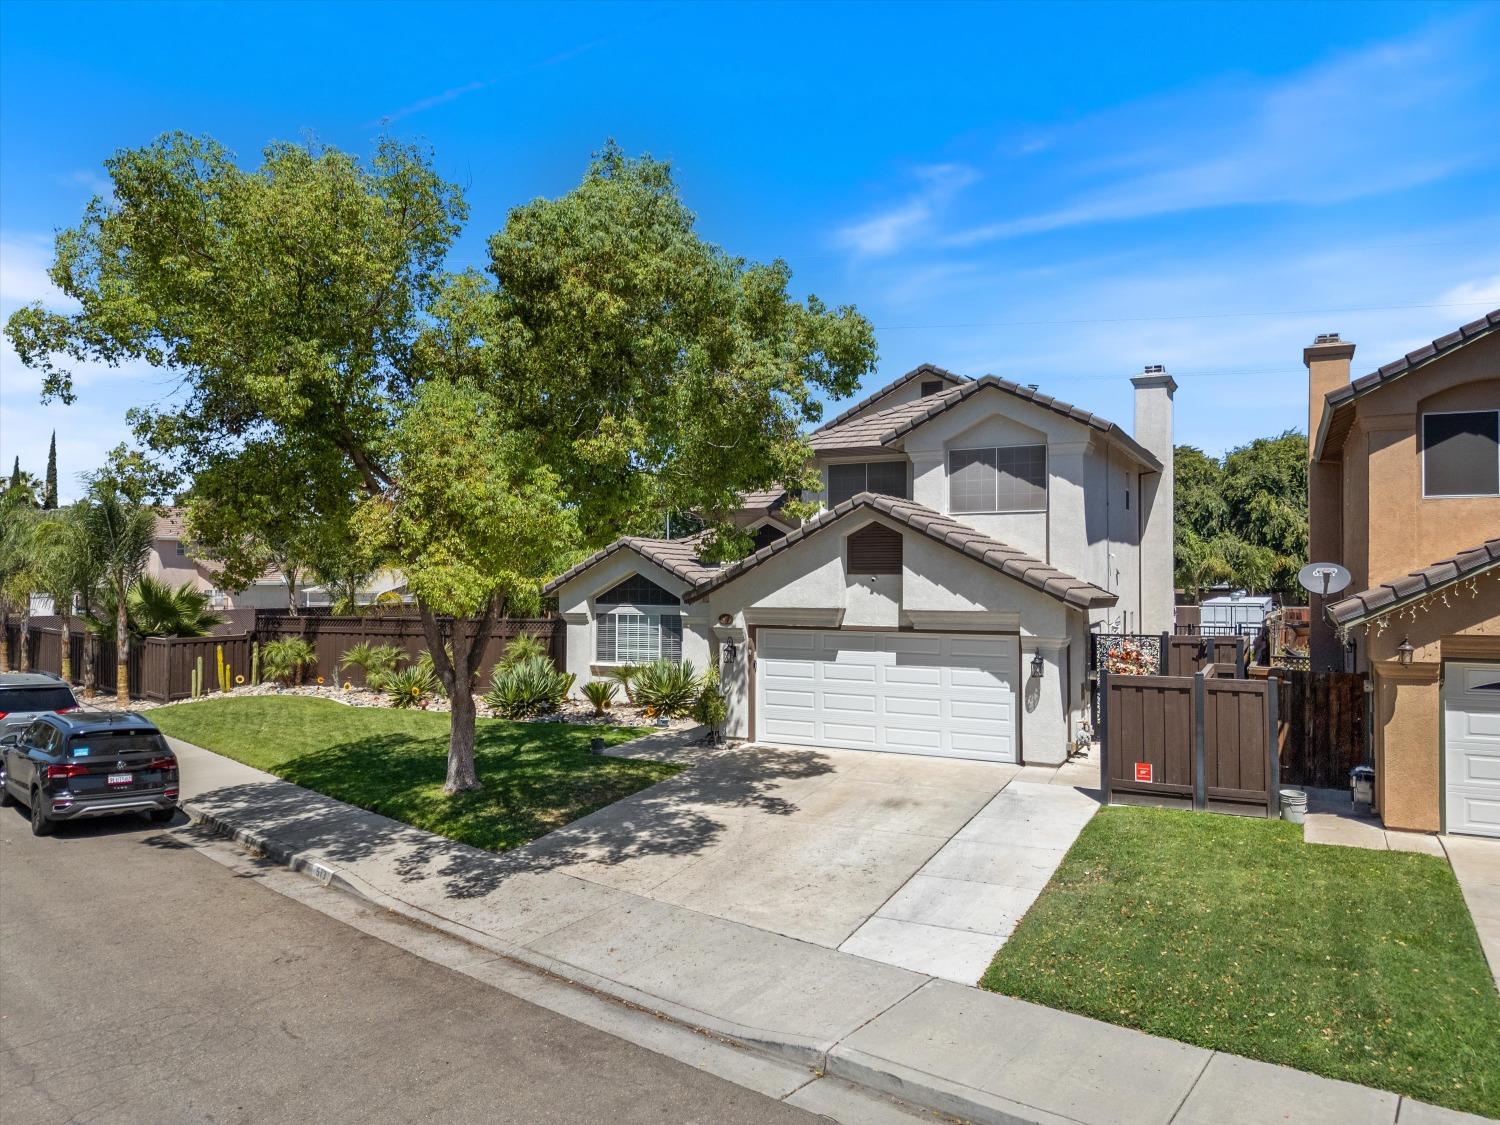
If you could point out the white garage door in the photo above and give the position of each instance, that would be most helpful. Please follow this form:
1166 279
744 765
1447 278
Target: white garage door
949 694
1471 727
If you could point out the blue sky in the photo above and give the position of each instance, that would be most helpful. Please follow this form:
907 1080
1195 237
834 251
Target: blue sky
1057 193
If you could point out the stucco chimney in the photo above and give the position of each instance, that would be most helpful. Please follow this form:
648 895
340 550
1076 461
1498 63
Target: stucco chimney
1153 429
1327 359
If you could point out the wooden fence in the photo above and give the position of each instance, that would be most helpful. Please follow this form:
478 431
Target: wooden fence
161 668
1159 654
1206 741
1323 725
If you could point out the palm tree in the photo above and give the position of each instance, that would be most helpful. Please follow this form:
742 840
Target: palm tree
154 608
19 571
71 574
119 532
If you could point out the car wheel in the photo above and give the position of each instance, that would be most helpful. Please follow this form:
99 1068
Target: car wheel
41 823
6 800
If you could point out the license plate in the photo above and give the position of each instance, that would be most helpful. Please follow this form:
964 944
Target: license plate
120 778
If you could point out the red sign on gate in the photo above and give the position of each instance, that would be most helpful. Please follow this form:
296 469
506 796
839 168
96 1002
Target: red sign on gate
1143 771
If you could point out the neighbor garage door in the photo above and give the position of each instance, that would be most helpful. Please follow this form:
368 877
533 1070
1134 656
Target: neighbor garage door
1471 729
949 694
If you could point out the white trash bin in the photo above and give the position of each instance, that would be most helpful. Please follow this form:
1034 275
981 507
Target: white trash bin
1293 805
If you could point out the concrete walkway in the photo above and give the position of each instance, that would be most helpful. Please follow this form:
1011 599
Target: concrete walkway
1476 863
945 1046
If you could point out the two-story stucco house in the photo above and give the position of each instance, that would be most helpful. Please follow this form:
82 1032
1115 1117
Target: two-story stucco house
972 533
1404 491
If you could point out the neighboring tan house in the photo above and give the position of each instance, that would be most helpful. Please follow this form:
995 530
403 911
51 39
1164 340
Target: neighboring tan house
1404 491
173 560
973 532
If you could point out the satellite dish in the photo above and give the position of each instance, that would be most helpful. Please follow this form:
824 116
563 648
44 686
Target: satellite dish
1323 578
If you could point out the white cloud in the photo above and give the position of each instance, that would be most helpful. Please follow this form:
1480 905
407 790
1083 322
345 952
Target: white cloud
1389 117
894 229
1485 291
23 273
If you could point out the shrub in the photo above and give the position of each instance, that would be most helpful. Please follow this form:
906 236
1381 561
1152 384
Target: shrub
710 708
666 687
601 694
524 648
425 662
375 662
410 687
528 687
287 659
624 675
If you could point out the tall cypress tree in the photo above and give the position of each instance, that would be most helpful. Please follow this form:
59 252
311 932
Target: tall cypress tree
15 474
49 494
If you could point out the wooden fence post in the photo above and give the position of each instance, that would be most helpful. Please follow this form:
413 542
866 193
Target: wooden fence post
1104 774
1273 763
1200 755
1161 663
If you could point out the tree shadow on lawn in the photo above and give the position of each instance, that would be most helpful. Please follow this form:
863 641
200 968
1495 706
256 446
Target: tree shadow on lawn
533 786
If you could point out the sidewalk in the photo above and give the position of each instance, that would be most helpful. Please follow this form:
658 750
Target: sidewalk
945 1046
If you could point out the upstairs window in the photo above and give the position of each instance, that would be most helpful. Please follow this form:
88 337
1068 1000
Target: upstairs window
886 478
1461 453
637 590
1007 478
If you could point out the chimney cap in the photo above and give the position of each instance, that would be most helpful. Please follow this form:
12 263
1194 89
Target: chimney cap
1156 369
1154 375
1328 338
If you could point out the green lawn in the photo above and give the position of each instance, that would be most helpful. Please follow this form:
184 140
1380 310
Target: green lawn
1234 934
536 776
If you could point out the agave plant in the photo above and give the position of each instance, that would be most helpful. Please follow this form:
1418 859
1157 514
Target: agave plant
529 687
410 687
601 693
668 688
375 662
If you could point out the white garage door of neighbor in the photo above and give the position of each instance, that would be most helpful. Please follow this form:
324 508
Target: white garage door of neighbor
949 694
1471 726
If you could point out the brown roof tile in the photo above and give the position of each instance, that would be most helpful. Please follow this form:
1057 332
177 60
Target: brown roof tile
991 552
884 427
1387 595
926 371
678 557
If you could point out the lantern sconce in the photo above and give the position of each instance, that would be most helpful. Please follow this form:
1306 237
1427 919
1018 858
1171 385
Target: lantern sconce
1404 652
1037 666
731 652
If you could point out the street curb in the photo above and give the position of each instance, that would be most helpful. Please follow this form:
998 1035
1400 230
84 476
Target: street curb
813 1054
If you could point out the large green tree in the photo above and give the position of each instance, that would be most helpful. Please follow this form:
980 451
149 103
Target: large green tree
611 366
1243 520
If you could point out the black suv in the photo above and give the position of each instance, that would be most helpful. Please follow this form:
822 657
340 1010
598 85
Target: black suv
88 763
25 695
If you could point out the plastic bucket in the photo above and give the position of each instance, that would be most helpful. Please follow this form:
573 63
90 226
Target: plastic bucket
1293 805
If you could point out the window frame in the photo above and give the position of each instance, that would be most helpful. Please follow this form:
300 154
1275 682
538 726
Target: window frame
995 509
865 464
1422 454
654 614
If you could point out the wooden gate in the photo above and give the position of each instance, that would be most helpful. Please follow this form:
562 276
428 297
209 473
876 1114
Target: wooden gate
1206 741
1322 726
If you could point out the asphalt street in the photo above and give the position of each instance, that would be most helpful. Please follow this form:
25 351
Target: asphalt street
142 982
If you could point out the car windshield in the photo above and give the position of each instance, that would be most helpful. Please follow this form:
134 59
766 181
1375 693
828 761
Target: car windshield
22 699
109 743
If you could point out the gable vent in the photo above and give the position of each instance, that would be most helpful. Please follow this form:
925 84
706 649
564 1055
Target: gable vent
875 549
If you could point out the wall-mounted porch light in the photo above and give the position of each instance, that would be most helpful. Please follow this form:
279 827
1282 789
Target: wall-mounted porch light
731 652
1404 652
1037 666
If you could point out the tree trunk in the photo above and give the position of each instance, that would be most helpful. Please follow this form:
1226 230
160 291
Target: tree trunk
4 640
66 649
289 576
90 661
457 676
122 650
26 635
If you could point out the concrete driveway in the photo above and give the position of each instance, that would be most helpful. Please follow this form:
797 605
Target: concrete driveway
926 863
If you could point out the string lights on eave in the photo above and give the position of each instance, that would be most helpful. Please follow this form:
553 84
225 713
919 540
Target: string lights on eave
1409 612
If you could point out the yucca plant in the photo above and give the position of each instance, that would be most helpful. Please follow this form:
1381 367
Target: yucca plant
287 659
375 662
601 693
624 675
667 687
410 687
530 687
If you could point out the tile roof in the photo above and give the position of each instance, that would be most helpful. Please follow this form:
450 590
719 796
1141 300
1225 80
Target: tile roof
892 424
171 524
768 499
936 526
1388 595
678 557
926 370
1338 410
